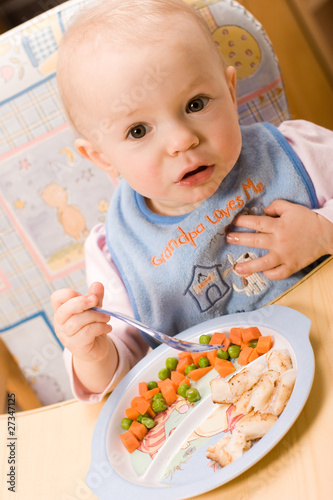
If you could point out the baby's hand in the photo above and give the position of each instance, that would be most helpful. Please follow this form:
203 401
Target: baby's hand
80 329
294 236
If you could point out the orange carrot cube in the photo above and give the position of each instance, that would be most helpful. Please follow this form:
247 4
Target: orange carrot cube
130 442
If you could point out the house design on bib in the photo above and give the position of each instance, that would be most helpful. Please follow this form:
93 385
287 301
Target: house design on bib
207 286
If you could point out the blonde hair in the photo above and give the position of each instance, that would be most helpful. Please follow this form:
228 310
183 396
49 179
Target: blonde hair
137 22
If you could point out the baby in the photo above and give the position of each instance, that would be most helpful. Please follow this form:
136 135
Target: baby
209 218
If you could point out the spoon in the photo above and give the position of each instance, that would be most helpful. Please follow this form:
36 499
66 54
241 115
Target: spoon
181 345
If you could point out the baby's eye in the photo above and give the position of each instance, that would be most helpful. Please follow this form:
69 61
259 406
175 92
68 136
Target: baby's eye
137 132
197 104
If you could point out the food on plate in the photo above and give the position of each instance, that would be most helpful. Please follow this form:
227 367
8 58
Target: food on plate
204 339
199 372
262 391
224 391
203 362
279 361
232 446
284 386
156 396
177 376
254 425
258 394
240 407
171 363
130 442
229 448
223 367
192 395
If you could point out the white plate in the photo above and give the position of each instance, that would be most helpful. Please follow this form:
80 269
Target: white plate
179 468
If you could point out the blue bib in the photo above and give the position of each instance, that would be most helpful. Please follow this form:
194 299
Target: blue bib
179 271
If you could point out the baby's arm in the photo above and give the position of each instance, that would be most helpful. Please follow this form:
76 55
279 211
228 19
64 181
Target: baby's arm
84 333
129 344
294 236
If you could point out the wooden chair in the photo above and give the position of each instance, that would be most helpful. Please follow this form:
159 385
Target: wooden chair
13 381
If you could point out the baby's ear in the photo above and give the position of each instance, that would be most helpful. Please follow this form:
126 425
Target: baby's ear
231 79
86 149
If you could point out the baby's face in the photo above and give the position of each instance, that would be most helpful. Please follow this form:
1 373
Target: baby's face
167 121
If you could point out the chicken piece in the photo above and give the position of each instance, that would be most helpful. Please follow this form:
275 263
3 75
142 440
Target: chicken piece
255 425
282 392
229 448
262 391
242 403
229 391
279 361
221 391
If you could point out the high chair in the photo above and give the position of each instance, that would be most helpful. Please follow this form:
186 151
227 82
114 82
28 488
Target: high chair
39 167
13 381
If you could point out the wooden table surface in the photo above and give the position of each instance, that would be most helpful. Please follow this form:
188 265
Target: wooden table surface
52 450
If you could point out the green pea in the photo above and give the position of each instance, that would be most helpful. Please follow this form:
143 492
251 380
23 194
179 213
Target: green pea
126 423
204 339
148 422
164 373
152 385
253 343
157 396
192 395
140 417
159 405
203 362
182 388
171 363
234 350
222 354
189 368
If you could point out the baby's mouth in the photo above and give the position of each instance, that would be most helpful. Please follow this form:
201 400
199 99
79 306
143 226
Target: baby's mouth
196 176
193 172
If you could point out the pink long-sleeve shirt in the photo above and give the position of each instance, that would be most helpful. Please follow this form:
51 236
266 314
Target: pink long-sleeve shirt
313 145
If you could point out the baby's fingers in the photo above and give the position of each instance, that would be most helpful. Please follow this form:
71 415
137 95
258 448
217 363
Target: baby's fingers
74 306
261 264
79 321
85 339
260 223
59 297
278 273
253 240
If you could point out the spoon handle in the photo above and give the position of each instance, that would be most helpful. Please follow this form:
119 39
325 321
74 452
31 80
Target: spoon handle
181 345
133 322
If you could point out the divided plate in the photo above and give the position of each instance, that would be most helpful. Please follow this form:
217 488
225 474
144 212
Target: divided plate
172 463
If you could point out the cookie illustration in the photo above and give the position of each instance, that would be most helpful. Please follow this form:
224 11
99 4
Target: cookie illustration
239 49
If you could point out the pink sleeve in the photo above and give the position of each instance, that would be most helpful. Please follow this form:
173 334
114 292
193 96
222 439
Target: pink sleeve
314 146
130 345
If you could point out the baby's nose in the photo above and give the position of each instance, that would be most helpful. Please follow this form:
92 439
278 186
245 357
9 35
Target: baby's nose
180 139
